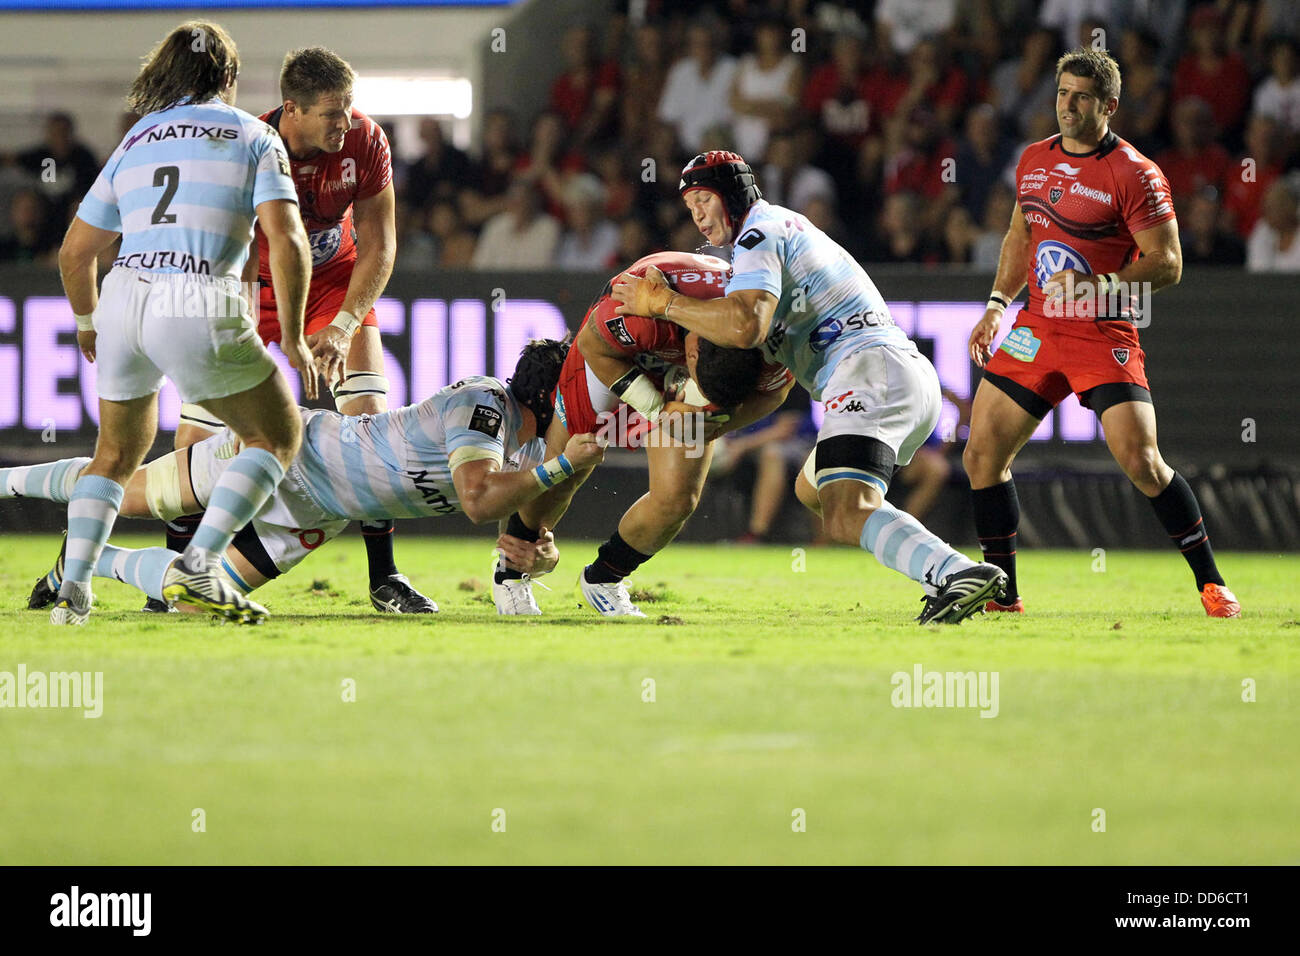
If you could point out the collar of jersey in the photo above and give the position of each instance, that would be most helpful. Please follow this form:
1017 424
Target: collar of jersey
1108 143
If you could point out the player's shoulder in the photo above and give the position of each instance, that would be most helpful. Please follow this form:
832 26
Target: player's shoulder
1126 159
475 389
764 225
1039 151
365 131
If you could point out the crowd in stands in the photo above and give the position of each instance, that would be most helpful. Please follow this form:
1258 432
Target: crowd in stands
895 129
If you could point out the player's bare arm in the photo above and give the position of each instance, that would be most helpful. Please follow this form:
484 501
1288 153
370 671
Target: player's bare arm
740 320
608 363
1013 266
1161 265
290 275
375 220
78 257
487 493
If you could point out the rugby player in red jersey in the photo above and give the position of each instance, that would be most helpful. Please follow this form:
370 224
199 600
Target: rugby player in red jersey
343 171
1093 224
625 360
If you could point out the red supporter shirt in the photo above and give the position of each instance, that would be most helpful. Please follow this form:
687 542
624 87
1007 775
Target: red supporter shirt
572 100
1083 210
328 184
1227 90
1187 175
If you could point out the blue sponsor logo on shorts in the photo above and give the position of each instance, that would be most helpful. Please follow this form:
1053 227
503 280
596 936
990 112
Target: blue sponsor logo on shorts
1021 344
1053 257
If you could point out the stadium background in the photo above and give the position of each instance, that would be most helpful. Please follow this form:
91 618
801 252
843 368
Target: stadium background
509 120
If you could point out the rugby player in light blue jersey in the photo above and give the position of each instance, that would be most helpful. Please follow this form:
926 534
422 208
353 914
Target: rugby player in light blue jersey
471 448
183 189
809 305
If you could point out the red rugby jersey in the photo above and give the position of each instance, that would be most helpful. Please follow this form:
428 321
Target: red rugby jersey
328 184
1084 209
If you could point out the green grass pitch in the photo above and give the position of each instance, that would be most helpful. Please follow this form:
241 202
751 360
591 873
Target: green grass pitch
478 739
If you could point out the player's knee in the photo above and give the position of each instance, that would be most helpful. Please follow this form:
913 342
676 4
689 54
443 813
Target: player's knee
844 525
1144 467
676 505
361 393
982 464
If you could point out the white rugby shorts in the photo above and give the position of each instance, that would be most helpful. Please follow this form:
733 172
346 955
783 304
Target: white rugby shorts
882 403
194 329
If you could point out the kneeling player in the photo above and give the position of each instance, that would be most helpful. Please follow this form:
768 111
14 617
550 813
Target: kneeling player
469 448
623 360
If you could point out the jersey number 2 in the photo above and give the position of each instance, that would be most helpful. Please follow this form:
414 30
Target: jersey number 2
170 177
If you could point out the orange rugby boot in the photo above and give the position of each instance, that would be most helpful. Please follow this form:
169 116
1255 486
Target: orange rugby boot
1219 601
1016 608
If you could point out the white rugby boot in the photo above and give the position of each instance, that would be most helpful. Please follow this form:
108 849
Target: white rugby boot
515 596
611 600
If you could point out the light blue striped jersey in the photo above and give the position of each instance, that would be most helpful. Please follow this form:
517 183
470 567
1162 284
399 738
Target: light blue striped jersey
183 187
398 464
827 307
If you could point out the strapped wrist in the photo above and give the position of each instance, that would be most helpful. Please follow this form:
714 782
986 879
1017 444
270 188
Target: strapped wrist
346 322
85 323
551 473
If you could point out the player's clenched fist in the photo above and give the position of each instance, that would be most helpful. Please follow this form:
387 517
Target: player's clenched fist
636 296
585 450
982 336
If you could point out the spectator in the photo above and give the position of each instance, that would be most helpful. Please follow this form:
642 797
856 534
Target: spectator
70 174
789 179
1209 72
1146 94
1279 95
1067 18
1249 178
591 240
904 23
923 166
586 93
550 161
439 172
620 194
453 243
487 195
765 90
1203 242
33 237
1024 89
521 237
1274 245
987 247
643 84
697 92
835 96
959 235
1195 160
634 240
820 211
981 158
902 239
935 83
415 246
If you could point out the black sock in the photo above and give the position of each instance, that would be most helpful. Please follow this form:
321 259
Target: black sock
181 530
997 516
378 536
516 528
1178 511
615 560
